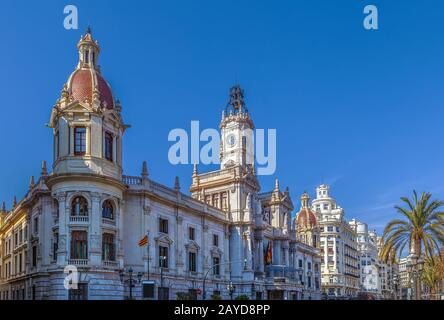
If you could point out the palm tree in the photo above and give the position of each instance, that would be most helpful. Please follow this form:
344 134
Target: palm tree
431 276
422 230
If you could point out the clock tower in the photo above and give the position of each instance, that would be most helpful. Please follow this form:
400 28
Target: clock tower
237 139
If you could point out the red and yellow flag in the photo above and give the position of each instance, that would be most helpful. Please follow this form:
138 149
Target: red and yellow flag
269 254
144 241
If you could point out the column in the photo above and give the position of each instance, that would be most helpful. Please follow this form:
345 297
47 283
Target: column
261 255
63 230
71 140
95 237
114 149
88 140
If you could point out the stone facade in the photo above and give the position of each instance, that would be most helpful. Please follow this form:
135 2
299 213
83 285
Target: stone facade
86 215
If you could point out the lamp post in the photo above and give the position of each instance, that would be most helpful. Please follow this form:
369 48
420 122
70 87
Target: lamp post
300 273
204 292
162 265
395 285
231 288
131 281
414 268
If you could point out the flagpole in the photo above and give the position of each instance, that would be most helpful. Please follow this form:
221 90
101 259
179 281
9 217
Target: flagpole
148 246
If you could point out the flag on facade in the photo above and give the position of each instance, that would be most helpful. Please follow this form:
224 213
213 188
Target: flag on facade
268 254
144 241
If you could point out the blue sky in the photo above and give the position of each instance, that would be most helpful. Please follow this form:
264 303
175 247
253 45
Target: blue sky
360 110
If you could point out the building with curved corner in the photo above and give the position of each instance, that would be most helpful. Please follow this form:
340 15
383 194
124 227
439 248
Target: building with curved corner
84 216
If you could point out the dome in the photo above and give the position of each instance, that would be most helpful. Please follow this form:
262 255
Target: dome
82 84
86 83
306 218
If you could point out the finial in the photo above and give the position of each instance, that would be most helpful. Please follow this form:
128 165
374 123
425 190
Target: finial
14 202
195 172
144 170
223 114
118 105
176 183
31 182
3 206
276 185
44 172
88 30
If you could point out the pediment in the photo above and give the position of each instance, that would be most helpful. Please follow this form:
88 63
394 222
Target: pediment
192 245
164 238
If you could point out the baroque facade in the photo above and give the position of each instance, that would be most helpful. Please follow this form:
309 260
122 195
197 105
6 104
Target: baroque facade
86 214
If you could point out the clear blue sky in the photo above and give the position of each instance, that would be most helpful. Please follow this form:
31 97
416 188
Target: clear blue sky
360 110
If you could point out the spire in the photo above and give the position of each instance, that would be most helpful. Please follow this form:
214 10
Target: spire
144 170
176 184
44 172
195 172
3 207
88 50
14 202
304 200
276 185
237 100
31 182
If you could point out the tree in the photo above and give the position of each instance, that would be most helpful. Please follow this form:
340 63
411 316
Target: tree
432 275
421 230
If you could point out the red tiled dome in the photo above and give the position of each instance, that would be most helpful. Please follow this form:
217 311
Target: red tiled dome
82 83
306 217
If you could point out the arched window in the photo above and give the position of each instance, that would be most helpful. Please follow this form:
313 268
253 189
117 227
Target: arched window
107 210
79 207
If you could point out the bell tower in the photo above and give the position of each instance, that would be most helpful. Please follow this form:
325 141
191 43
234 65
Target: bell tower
237 140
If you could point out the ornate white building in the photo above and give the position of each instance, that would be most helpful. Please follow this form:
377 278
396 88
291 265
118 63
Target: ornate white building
340 272
86 214
369 263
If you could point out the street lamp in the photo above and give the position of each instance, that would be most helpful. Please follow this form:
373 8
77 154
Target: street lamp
131 281
231 288
204 292
162 265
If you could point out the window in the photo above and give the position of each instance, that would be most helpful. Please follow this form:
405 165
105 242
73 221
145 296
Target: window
20 263
55 246
325 206
216 266
34 256
108 146
79 207
163 257
216 200
93 57
300 263
191 233
79 245
108 247
79 141
309 265
81 293
330 228
163 225
36 225
224 201
108 210
192 261
215 240
87 56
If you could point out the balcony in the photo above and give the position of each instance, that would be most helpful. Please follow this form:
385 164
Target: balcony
281 273
79 219
111 264
108 221
78 262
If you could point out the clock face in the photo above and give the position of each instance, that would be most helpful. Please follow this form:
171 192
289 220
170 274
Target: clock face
231 140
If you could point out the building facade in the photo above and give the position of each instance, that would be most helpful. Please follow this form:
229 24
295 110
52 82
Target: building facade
338 243
369 265
86 215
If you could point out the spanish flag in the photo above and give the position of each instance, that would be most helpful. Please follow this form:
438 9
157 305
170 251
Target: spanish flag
144 241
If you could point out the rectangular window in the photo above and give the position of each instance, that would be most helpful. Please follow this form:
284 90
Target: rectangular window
224 201
300 263
215 240
34 256
79 245
36 225
330 228
216 266
163 257
79 141
163 225
108 146
108 248
20 263
55 246
192 261
191 233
